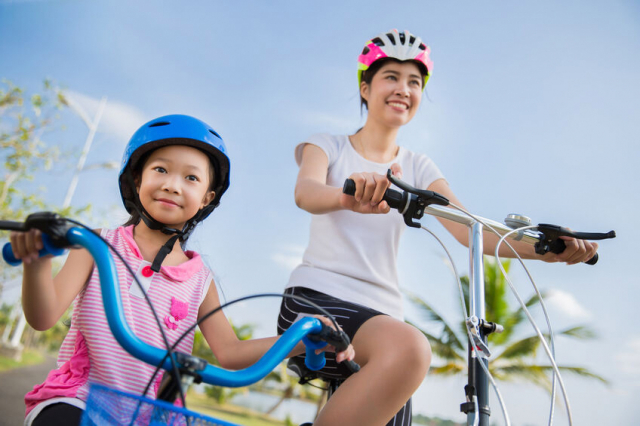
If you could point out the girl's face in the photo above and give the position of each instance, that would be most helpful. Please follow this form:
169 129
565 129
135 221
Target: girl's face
174 184
394 95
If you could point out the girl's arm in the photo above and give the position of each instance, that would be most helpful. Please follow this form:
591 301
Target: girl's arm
314 195
233 353
577 250
45 299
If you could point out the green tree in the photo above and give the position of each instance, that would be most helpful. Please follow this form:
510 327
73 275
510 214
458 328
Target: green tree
25 122
22 125
513 357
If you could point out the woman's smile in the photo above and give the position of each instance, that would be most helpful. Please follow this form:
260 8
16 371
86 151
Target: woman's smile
399 106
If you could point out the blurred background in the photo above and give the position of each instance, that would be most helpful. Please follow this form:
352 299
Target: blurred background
532 108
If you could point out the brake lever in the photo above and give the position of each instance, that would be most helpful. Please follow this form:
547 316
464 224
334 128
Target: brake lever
550 240
425 197
52 224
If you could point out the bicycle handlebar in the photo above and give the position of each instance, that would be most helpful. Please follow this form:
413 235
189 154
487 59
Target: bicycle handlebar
49 248
306 329
413 203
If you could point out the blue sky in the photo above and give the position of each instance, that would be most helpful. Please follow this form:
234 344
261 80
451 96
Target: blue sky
532 108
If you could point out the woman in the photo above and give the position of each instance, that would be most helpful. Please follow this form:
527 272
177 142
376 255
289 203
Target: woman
349 266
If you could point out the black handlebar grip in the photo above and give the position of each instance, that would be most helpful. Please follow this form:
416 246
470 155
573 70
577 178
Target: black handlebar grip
340 341
391 196
558 247
349 187
353 366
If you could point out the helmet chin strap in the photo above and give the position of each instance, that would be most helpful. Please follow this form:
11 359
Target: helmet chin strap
158 226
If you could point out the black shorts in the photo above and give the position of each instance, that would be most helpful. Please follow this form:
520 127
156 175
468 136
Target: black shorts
59 414
349 316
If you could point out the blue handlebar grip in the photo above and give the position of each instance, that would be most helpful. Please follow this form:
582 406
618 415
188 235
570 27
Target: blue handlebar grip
313 361
48 248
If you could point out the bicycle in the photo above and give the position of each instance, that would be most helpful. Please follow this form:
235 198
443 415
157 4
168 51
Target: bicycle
108 406
413 204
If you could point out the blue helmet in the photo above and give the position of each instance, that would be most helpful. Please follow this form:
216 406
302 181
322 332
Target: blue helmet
175 130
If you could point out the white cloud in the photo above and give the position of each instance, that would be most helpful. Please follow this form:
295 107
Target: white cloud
567 305
118 118
288 256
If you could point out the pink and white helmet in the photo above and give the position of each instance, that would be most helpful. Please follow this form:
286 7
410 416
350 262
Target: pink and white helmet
394 44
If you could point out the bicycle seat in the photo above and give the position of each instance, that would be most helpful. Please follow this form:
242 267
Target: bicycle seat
297 368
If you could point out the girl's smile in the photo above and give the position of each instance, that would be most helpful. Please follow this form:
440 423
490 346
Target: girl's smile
167 202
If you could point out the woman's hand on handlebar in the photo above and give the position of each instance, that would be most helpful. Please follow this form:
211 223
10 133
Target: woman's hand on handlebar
346 355
370 188
26 245
576 251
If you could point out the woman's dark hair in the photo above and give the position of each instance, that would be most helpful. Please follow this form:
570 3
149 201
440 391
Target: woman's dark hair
367 76
134 217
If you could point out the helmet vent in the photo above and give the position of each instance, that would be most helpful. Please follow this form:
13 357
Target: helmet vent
377 41
401 38
365 50
392 38
412 39
215 133
159 123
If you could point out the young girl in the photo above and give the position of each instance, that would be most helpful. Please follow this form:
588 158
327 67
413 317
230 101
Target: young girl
349 266
174 172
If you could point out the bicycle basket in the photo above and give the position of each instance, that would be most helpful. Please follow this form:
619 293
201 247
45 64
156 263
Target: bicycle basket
107 406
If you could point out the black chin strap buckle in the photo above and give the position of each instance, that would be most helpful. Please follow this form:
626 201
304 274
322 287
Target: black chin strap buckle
169 231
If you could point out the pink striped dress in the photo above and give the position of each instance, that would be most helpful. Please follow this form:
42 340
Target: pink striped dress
90 353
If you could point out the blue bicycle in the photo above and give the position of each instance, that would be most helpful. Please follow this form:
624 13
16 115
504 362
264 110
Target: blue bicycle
113 407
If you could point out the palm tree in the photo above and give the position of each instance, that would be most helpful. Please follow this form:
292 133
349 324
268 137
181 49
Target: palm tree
512 358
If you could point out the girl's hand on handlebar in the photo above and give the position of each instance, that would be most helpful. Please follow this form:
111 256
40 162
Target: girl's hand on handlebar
370 188
25 245
346 355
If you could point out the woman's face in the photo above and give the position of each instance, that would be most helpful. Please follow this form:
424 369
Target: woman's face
394 95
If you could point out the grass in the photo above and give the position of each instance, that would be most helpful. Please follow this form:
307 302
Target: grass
29 357
230 413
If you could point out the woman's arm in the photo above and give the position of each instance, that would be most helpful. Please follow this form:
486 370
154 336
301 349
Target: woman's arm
576 251
45 299
314 195
312 192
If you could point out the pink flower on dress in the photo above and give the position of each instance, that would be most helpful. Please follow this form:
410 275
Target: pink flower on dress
179 311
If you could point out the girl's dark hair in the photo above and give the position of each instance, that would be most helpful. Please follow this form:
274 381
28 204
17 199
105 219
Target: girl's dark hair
367 76
136 171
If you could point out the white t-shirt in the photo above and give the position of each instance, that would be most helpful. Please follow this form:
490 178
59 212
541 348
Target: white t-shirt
352 256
